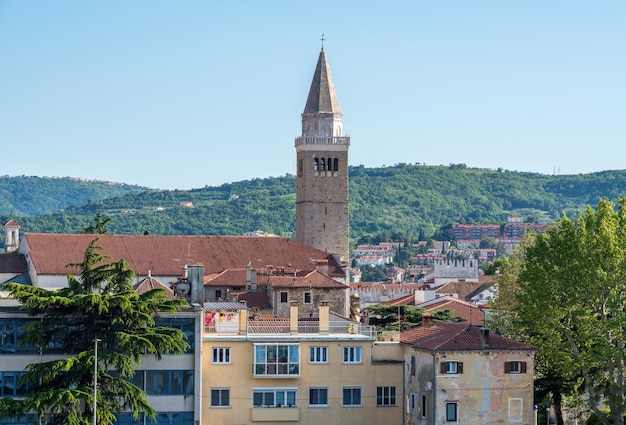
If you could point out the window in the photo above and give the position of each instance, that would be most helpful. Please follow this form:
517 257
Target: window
284 297
515 367
218 294
163 382
352 354
423 405
220 397
274 397
318 354
125 418
270 359
9 384
385 396
413 365
318 397
221 355
307 298
187 326
412 402
451 368
452 412
351 396
172 418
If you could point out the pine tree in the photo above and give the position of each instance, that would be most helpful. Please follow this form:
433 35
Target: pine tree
100 306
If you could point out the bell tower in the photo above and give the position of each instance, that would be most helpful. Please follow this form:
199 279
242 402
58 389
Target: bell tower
322 219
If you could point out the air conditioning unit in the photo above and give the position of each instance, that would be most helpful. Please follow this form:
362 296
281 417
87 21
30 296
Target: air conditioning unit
429 385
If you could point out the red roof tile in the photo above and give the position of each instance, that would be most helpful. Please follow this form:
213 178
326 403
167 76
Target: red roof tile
149 283
469 312
445 336
166 255
313 279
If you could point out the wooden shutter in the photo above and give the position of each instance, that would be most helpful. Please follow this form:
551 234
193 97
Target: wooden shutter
522 367
459 367
443 367
507 367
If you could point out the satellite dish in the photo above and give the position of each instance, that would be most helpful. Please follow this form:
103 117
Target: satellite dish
182 288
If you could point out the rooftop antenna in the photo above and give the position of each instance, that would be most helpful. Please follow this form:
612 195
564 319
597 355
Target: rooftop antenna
322 40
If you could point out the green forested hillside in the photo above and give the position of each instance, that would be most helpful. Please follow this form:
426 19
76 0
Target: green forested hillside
29 195
406 199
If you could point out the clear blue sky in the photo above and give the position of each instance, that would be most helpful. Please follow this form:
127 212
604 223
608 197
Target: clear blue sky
183 94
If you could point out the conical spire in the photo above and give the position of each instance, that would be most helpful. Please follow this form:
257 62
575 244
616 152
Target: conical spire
322 97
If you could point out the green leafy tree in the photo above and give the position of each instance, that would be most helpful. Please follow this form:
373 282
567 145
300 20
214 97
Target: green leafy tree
387 317
371 273
100 305
97 226
566 295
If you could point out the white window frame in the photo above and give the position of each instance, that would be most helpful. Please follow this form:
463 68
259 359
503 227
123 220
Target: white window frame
360 389
281 396
452 367
319 389
386 396
280 294
516 407
318 354
220 355
454 404
219 404
268 362
352 354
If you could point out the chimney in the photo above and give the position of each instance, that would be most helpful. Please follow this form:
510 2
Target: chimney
250 278
243 320
484 338
195 279
324 318
425 319
293 317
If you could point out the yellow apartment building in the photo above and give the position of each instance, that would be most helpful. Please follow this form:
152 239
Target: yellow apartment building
297 370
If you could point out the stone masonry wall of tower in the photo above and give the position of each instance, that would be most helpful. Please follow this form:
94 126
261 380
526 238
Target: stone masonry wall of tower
322 213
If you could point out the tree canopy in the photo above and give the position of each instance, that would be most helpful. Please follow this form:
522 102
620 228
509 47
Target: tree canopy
98 306
565 292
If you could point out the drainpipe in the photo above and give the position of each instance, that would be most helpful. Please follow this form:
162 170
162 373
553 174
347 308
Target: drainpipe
434 388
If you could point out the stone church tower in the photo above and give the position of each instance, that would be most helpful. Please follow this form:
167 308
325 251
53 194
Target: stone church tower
322 164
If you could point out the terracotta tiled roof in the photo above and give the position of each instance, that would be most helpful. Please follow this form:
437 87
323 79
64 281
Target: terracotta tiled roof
166 255
444 336
469 312
230 277
149 283
13 263
458 287
406 300
12 223
313 279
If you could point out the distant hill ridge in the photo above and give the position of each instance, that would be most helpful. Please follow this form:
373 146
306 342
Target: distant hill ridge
404 199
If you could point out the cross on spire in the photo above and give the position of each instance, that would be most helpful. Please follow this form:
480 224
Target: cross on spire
322 40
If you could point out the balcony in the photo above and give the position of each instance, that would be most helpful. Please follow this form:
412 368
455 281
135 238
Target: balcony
325 140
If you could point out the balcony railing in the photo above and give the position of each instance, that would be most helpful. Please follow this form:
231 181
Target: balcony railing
283 326
322 140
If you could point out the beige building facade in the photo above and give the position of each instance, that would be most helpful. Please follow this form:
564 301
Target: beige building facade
299 371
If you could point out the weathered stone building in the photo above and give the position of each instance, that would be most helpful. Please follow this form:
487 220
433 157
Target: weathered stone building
322 218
